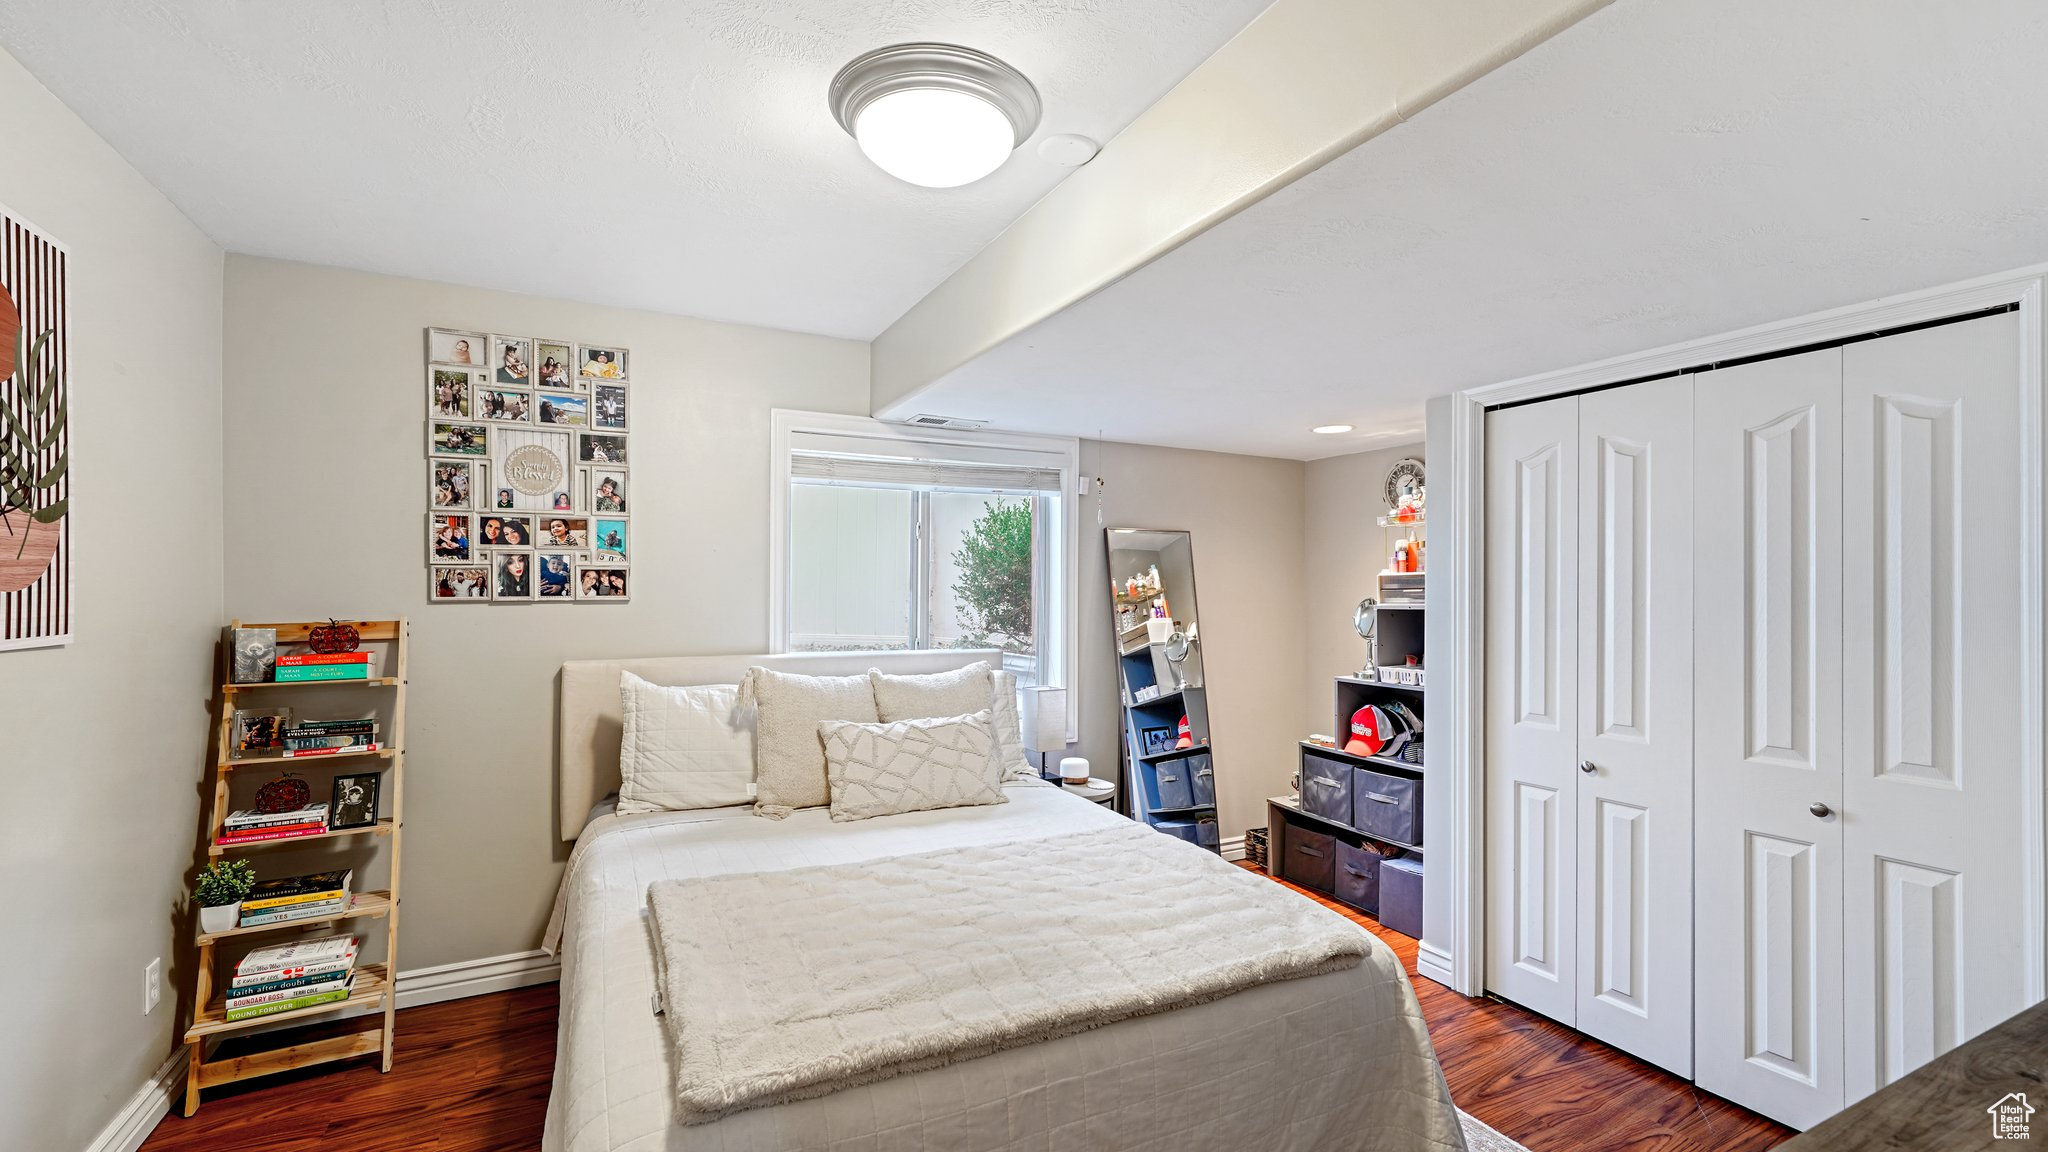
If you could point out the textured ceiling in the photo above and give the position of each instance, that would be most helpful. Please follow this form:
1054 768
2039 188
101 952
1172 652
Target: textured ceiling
1666 170
660 154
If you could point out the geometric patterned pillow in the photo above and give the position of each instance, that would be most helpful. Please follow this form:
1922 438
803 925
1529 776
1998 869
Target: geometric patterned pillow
911 765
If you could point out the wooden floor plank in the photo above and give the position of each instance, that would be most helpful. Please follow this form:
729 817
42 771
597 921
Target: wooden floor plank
473 1076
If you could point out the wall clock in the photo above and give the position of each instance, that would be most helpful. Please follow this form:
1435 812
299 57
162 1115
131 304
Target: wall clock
1404 478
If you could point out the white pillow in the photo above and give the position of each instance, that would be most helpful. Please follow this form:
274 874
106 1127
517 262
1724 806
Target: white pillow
790 758
686 747
1008 728
910 766
921 697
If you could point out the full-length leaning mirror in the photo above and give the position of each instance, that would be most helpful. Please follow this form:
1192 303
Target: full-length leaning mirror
1170 768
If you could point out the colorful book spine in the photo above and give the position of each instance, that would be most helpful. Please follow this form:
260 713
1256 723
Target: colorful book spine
298 889
304 673
324 910
292 1005
272 903
281 820
296 985
287 832
271 974
331 727
319 743
351 750
303 659
252 998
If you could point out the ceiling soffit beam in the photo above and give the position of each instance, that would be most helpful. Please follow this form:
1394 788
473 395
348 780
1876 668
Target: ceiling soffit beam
1306 82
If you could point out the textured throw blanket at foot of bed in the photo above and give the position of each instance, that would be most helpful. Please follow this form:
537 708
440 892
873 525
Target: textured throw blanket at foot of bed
781 986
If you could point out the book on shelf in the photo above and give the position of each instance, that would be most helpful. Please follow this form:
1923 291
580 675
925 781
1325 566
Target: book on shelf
288 890
305 659
295 958
349 750
326 909
328 745
307 673
311 728
313 1000
286 990
296 985
288 832
245 819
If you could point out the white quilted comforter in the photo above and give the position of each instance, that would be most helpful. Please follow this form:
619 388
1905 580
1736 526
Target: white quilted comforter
1333 1061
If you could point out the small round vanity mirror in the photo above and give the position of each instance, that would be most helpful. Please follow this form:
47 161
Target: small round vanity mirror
1366 620
1177 647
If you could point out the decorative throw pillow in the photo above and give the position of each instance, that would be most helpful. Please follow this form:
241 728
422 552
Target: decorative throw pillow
1008 728
683 747
789 757
954 693
911 766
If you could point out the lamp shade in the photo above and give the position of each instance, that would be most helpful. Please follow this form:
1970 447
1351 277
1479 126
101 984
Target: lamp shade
1043 716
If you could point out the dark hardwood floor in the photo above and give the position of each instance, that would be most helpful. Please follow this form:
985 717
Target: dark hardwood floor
473 1076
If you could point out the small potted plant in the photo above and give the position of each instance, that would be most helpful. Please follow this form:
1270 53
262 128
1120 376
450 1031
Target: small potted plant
222 885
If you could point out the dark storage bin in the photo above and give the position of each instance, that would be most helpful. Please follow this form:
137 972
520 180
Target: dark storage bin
1207 835
1387 806
1174 789
1326 787
1311 859
1358 877
1180 829
1202 778
1401 895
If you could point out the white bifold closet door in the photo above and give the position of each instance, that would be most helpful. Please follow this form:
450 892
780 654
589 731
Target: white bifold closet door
1859 754
1589 714
1767 735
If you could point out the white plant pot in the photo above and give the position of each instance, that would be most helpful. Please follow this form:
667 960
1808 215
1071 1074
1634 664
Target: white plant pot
218 919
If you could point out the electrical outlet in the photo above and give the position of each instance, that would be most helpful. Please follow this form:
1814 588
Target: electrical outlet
152 985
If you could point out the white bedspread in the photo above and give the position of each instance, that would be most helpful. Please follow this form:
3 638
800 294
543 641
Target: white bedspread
1334 1061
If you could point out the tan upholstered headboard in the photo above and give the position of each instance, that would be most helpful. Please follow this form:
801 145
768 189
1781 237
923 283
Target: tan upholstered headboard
591 713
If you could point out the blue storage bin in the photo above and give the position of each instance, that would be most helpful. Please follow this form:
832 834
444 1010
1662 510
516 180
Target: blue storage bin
1202 778
1175 789
1401 895
1184 829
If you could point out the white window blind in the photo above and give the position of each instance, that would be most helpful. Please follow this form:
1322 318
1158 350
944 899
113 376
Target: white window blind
875 471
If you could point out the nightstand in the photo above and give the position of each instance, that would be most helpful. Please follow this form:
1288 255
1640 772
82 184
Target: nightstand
1096 789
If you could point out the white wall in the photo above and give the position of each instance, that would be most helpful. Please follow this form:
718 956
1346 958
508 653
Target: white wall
105 742
326 516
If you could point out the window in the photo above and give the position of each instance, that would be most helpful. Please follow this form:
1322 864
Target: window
894 538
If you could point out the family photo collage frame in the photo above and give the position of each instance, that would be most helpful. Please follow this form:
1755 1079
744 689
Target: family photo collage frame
528 489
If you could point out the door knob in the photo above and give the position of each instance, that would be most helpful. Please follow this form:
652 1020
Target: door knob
1821 810
1588 767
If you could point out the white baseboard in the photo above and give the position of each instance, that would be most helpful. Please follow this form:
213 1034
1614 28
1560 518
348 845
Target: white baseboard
133 1124
1434 963
1233 848
476 977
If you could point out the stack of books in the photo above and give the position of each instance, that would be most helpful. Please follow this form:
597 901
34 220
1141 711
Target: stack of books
328 737
246 824
326 666
315 896
288 977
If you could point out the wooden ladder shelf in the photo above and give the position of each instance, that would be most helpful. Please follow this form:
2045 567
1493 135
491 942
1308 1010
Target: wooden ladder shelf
374 995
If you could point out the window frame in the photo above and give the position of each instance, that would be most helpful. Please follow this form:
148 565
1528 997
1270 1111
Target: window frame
1060 551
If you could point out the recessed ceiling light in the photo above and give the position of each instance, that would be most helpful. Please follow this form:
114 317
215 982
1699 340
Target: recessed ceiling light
1330 429
936 115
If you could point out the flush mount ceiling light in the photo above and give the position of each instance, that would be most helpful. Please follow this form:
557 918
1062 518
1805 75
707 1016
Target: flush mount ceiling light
1330 429
936 115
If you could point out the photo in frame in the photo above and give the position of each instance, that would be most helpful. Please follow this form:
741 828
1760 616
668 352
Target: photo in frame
512 575
464 583
511 361
526 450
353 803
565 410
451 484
446 347
554 365
608 407
609 582
1156 740
450 536
451 393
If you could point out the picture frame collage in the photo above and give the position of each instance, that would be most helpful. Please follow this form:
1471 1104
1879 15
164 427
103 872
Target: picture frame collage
528 484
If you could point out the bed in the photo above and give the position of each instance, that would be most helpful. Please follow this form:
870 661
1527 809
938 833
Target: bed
1333 1061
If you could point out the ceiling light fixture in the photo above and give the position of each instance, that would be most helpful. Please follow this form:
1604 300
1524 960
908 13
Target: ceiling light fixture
1330 429
935 115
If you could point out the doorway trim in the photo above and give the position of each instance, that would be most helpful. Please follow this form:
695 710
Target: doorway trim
1460 960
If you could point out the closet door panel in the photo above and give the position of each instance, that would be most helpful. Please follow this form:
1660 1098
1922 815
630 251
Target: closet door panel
1532 704
1933 666
1767 735
1635 739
